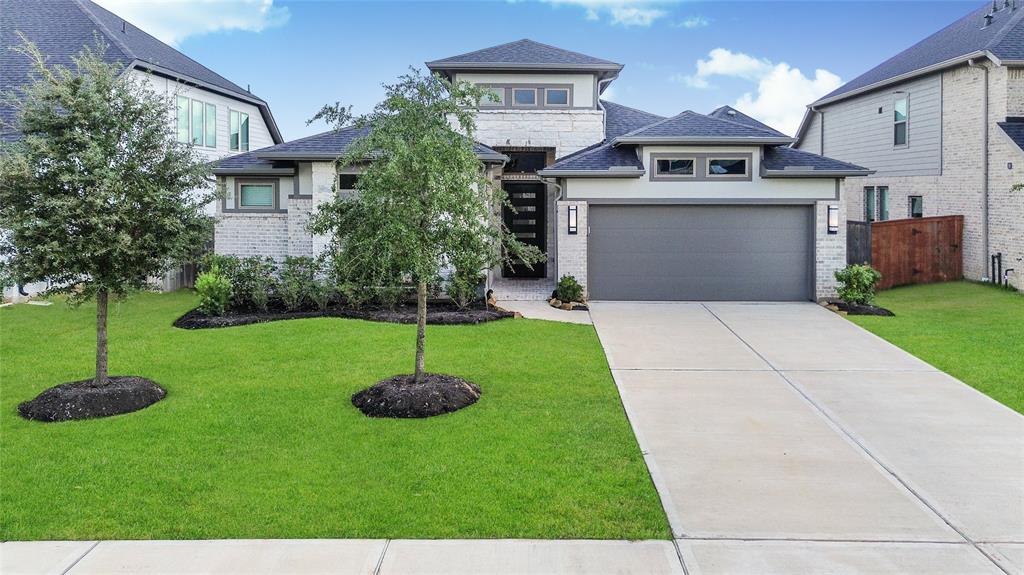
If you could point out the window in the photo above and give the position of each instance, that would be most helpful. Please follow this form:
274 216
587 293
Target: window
883 203
211 126
556 97
238 125
524 96
525 162
876 203
899 118
674 167
198 111
256 195
498 94
916 206
869 204
727 167
347 182
183 116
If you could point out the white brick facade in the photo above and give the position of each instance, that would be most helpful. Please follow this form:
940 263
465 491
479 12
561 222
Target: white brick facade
572 249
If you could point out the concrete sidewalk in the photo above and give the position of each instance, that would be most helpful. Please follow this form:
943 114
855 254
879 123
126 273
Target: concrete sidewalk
784 439
348 556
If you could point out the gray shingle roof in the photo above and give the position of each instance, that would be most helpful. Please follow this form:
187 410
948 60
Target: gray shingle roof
691 126
524 54
1004 38
323 146
784 158
730 113
601 156
1014 128
623 119
61 28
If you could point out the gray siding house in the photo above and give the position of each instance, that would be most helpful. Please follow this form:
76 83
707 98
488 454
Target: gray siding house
941 126
634 205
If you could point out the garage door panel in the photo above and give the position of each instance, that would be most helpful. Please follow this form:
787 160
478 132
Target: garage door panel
699 252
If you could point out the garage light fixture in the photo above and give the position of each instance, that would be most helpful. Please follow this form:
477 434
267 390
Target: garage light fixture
833 219
573 228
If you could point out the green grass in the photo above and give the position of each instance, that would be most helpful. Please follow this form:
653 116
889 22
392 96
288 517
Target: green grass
971 331
257 438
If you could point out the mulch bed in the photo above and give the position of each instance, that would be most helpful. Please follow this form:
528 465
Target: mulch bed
84 399
440 313
400 397
858 309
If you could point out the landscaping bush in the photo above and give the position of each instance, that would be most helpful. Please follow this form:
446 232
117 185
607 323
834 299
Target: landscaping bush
298 281
214 292
568 289
464 282
255 282
857 283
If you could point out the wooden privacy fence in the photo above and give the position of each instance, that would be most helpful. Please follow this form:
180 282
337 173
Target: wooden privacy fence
917 250
858 242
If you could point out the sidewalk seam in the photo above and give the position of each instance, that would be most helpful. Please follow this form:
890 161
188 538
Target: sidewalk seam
82 556
380 560
856 441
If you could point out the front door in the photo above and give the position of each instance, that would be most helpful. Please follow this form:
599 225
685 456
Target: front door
527 223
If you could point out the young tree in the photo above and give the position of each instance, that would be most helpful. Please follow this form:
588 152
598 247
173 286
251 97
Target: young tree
97 195
424 200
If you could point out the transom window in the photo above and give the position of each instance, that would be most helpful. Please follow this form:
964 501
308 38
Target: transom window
727 167
675 167
900 116
238 124
256 195
556 97
524 96
196 122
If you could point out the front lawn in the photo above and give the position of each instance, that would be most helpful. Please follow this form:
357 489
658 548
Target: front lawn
257 439
971 331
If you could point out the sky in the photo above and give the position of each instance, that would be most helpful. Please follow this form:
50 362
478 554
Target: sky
768 59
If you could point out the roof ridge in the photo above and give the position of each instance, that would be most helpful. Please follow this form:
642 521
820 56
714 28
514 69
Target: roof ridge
128 52
651 125
1009 25
630 108
768 131
124 49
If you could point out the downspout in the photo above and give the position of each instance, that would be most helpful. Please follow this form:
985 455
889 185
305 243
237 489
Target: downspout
985 170
558 198
604 113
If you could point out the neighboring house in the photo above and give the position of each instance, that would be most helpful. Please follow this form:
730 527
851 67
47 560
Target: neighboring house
634 205
942 126
214 114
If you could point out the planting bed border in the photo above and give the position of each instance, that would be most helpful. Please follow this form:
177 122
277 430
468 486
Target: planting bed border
438 314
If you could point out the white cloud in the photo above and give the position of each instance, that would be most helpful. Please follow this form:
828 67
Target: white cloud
174 20
640 13
783 91
693 22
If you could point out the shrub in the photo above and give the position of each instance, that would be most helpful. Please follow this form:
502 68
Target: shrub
298 277
255 281
214 292
569 289
462 287
857 283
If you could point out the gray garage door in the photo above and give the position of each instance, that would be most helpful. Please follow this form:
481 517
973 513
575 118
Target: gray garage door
653 253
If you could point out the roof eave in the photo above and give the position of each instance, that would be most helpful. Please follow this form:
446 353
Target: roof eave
815 173
438 65
909 75
672 140
591 173
319 156
256 171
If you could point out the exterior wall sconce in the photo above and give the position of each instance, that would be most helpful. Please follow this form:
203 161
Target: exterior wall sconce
833 219
573 220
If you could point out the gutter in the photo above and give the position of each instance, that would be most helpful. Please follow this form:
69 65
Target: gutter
254 171
985 168
677 141
815 173
592 173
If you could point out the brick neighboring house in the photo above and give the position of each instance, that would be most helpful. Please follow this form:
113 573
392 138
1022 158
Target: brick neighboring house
942 126
634 205
217 116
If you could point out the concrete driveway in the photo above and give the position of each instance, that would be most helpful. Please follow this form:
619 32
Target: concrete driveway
784 439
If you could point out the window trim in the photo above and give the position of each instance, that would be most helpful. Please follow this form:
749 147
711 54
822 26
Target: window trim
701 162
870 210
568 97
536 96
237 197
187 109
906 121
540 96
497 89
658 176
882 199
713 157
231 145
910 206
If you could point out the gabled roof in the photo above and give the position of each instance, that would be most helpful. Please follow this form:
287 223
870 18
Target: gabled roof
692 128
61 28
621 119
730 113
1014 128
323 146
786 162
524 55
968 37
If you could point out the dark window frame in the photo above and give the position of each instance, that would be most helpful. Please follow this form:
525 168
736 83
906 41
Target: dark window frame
910 206
904 123
237 197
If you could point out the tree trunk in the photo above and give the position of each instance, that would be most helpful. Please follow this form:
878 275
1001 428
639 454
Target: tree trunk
421 327
101 337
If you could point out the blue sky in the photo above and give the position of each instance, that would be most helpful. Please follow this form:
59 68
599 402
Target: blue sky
767 58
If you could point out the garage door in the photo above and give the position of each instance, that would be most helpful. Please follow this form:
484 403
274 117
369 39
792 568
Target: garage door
653 253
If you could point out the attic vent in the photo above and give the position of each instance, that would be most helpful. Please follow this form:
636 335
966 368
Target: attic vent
988 20
731 112
124 27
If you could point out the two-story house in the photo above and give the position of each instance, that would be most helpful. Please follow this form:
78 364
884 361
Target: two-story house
636 206
218 117
942 126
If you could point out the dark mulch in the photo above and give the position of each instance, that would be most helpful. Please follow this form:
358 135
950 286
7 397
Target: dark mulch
399 396
440 313
84 399
858 309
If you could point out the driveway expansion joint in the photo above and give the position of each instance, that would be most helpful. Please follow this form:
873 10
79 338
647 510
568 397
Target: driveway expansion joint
80 557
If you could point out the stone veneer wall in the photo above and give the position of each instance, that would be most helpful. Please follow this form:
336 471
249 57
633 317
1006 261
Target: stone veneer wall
566 131
959 189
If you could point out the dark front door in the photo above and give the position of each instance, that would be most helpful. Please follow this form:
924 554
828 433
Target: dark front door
527 222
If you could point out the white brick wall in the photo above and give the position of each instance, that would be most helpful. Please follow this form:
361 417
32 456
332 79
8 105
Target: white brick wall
830 250
572 249
564 130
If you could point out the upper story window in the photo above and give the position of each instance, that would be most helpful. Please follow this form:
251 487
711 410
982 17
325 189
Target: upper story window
556 97
674 167
538 96
196 122
495 96
238 124
524 96
726 167
900 117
